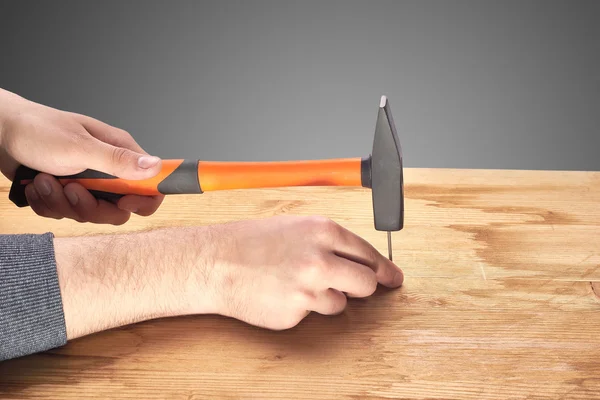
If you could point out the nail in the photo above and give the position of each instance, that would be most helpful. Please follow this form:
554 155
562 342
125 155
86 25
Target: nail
32 193
44 187
72 197
146 162
131 208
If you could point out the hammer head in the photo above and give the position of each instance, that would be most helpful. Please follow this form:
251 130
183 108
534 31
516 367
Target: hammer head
386 176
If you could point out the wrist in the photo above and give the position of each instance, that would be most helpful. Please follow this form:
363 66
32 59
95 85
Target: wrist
9 105
115 280
3 111
186 261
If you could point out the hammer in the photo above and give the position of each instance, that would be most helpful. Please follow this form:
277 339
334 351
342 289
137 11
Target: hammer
381 171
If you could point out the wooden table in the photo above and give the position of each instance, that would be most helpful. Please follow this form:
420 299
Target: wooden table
501 301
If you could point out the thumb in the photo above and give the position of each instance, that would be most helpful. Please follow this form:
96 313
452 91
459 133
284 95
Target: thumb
122 162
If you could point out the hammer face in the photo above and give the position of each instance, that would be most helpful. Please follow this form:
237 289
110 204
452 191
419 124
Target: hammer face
387 181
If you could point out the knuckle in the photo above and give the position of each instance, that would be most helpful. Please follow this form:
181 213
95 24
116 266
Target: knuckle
372 256
237 308
315 269
303 299
292 319
322 228
366 284
281 326
147 209
37 211
324 223
121 221
310 271
371 285
335 303
37 208
82 214
80 144
123 133
145 212
339 305
329 308
78 138
119 155
318 220
43 211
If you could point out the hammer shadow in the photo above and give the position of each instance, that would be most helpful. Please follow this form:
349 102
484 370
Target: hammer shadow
316 337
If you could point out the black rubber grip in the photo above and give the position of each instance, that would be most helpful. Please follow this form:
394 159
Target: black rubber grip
182 180
23 173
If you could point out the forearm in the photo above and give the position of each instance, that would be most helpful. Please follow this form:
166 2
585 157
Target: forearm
115 280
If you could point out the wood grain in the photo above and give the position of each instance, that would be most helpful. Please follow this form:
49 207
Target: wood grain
501 301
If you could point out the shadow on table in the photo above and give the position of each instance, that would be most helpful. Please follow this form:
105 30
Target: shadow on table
98 356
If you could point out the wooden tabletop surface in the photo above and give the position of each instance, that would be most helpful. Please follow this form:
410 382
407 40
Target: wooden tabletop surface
501 301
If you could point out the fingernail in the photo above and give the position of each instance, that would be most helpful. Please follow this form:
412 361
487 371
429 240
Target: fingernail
146 162
72 197
398 279
32 194
44 188
131 208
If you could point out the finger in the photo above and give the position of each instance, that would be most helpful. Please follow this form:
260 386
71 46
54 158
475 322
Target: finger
355 279
52 195
37 204
108 133
330 302
141 205
120 161
90 209
114 151
357 249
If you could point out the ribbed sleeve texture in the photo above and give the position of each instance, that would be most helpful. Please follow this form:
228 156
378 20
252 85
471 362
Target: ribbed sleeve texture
31 312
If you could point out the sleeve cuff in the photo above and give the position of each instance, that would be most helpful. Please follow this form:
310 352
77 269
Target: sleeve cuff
31 310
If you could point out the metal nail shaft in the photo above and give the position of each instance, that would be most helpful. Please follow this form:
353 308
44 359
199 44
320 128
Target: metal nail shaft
389 235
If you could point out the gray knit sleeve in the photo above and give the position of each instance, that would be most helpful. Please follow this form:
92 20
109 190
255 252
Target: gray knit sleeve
31 312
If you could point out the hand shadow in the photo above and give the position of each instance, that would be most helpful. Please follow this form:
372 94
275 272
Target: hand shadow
204 341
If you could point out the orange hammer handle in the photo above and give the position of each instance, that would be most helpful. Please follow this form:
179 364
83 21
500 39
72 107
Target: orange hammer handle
245 175
194 177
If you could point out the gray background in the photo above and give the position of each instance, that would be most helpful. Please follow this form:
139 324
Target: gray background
472 84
